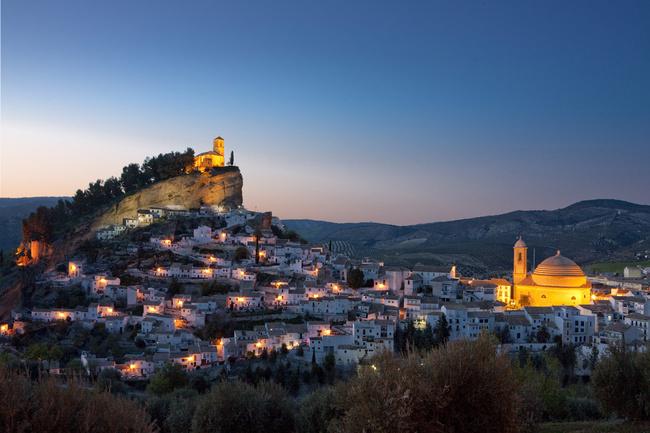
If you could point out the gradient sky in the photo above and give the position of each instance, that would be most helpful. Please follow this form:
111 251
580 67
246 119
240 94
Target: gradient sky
399 112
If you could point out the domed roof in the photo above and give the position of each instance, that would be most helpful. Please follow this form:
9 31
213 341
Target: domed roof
520 243
559 271
558 265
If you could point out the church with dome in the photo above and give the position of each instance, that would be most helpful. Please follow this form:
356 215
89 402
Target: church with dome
555 281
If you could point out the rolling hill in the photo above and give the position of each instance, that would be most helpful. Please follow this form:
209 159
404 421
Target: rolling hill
587 231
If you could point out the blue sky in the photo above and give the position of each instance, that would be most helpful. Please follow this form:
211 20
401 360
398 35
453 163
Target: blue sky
348 111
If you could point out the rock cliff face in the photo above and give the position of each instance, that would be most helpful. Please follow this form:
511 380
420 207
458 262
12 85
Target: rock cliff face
222 187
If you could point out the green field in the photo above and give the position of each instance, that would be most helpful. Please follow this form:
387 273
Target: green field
615 266
594 427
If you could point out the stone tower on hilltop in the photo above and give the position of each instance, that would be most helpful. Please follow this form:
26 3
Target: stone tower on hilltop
218 148
206 161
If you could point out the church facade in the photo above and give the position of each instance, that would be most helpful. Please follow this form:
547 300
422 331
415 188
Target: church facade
555 281
206 161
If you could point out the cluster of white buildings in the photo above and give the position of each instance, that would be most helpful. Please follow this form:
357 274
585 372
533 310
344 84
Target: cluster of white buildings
351 325
349 343
148 216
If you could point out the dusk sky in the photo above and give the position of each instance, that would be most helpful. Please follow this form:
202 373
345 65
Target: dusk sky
398 112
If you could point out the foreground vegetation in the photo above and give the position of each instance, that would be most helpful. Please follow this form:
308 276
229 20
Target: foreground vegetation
617 426
46 406
455 387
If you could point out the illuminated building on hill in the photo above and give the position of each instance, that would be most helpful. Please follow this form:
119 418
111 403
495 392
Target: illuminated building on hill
555 281
206 161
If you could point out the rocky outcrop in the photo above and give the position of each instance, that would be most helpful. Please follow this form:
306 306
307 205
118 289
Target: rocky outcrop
221 187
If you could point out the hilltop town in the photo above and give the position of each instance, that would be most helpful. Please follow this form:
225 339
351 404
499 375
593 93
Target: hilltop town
227 291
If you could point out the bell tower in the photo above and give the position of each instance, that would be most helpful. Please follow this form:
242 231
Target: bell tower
218 148
520 268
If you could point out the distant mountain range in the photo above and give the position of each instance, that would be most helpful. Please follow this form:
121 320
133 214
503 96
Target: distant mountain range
587 231
12 212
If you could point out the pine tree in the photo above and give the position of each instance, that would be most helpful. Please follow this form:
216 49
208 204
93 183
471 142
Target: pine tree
441 330
294 381
232 158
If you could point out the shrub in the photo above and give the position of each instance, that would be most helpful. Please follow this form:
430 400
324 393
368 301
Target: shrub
317 411
582 408
622 383
241 253
46 406
182 403
460 387
355 278
237 407
168 379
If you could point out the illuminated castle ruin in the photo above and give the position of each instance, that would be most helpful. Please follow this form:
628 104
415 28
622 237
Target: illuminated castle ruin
206 161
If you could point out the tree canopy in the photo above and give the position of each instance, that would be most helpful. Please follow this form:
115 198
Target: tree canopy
43 223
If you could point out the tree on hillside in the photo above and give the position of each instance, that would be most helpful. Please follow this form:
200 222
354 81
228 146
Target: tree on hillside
257 235
231 161
355 278
45 406
566 354
41 224
237 407
503 334
241 253
441 331
131 178
174 287
431 393
622 383
113 188
317 411
543 335
171 377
